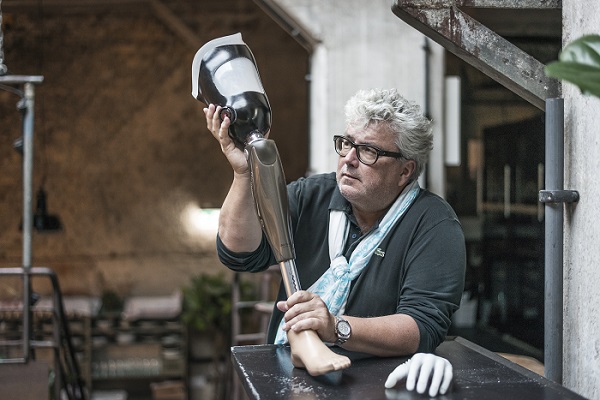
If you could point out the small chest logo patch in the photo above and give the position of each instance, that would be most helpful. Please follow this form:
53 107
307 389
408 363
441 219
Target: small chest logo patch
379 252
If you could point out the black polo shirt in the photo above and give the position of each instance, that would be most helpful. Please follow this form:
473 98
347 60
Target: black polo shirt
419 269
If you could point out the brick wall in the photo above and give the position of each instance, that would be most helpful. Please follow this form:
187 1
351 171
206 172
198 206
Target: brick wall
120 145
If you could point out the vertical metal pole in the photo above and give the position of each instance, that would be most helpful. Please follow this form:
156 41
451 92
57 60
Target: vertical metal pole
423 179
29 99
427 52
28 172
553 257
56 336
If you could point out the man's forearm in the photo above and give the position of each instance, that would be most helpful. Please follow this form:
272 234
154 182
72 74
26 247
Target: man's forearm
239 227
390 335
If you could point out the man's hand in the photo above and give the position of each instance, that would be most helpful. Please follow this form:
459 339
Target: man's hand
305 310
422 369
220 130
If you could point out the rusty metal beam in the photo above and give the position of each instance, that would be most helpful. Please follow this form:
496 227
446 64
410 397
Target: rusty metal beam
511 4
477 45
516 4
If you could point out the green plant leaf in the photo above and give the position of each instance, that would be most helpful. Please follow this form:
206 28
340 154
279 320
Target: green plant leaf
579 64
207 303
587 78
585 50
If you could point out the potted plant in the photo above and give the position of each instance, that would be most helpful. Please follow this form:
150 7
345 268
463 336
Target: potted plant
207 307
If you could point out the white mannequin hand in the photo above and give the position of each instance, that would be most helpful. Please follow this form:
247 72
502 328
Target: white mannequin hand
421 366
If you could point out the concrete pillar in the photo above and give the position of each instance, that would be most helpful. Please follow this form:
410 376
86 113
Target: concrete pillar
581 348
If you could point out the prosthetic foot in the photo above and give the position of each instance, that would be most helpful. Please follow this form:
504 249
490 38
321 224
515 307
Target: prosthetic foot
309 352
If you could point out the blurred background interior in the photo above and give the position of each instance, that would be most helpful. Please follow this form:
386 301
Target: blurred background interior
127 180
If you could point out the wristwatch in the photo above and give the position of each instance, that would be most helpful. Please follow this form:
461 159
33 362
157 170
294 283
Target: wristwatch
342 330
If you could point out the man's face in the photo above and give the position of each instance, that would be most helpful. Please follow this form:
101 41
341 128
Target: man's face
372 188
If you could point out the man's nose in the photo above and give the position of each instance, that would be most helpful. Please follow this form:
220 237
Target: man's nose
352 157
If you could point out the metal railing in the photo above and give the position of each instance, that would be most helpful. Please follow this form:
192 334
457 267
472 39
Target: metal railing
67 375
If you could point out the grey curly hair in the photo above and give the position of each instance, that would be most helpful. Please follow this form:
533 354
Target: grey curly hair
404 118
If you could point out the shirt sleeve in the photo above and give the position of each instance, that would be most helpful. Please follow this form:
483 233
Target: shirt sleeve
255 261
434 281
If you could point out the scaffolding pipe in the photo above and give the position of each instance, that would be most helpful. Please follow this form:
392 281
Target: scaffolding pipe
26 104
553 253
28 121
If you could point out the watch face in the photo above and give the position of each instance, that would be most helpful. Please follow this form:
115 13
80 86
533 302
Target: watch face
343 328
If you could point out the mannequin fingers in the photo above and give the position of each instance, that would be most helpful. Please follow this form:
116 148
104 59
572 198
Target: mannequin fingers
424 374
424 371
397 374
436 379
416 363
413 373
448 375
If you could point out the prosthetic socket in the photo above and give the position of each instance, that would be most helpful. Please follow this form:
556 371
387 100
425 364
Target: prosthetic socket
224 73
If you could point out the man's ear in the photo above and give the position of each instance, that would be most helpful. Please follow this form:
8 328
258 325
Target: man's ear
407 172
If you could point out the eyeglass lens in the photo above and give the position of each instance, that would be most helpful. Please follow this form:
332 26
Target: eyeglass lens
365 153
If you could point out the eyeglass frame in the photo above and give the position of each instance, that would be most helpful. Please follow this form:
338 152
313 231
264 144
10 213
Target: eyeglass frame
379 152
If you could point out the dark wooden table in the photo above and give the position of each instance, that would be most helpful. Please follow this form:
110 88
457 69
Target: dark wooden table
266 372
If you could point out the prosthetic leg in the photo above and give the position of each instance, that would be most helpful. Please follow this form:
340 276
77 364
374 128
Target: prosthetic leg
224 73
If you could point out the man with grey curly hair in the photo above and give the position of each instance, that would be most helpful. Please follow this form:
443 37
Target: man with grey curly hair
402 117
382 260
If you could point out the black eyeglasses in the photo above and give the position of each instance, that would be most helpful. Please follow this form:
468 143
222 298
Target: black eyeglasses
366 154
